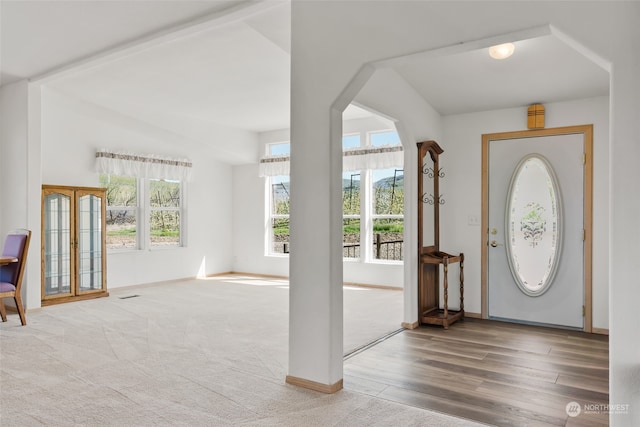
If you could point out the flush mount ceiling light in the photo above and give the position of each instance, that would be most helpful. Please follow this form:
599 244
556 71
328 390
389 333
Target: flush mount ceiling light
502 51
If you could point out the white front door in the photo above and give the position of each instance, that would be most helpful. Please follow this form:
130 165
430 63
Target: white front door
516 277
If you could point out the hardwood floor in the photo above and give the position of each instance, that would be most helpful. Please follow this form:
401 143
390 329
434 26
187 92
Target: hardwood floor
492 372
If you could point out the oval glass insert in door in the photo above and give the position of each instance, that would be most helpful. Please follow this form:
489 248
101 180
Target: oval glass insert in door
533 225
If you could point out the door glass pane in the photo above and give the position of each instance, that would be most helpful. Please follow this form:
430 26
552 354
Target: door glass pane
533 225
89 243
57 244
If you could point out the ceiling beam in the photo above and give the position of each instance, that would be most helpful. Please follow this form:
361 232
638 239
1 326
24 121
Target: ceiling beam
233 14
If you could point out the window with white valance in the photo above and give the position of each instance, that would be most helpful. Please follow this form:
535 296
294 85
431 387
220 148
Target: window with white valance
145 199
143 166
354 159
372 195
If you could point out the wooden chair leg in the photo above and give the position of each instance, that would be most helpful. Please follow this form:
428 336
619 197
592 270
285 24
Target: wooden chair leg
3 312
18 300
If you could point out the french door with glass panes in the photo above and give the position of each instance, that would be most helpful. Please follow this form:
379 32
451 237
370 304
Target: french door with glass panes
73 243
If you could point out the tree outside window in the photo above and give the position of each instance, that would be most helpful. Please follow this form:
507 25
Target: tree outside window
121 211
136 221
388 214
372 204
164 212
279 201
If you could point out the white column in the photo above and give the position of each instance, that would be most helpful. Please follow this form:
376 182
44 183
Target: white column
315 269
624 292
13 155
20 176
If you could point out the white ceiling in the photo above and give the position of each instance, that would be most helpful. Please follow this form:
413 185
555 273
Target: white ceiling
236 74
541 70
38 36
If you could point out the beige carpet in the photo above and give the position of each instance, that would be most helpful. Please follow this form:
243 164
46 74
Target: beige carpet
187 353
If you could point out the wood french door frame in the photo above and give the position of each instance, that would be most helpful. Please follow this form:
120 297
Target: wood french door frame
587 132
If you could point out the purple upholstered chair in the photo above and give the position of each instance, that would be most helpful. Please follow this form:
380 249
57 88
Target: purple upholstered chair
16 245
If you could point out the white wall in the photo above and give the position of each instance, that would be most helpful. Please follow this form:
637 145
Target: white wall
462 161
73 130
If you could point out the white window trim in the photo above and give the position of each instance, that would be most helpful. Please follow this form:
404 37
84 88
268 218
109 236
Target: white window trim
269 215
366 215
143 214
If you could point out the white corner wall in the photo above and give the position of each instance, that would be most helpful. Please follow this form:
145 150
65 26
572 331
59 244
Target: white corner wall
462 161
73 130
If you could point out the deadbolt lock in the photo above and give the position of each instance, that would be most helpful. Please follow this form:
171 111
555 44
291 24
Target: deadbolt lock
494 231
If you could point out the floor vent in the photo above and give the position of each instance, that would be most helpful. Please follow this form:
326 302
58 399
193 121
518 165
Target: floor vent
371 344
130 296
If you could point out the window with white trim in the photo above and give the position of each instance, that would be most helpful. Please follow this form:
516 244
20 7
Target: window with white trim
143 213
122 211
351 203
165 212
279 202
373 230
372 196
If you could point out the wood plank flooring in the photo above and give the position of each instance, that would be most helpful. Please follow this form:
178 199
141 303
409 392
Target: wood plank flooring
496 373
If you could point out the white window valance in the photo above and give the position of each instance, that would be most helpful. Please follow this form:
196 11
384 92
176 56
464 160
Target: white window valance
383 157
143 165
275 165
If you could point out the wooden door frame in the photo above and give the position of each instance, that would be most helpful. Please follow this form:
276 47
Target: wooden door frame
587 132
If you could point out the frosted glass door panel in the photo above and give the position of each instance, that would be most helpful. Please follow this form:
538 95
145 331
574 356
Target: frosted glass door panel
57 244
89 243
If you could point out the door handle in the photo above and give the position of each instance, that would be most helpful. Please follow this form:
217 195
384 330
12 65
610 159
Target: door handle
495 244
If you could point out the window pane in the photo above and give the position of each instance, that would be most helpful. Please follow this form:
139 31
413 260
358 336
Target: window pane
388 192
122 202
279 149
165 227
384 138
280 235
388 238
280 195
350 141
351 238
351 193
121 190
280 202
121 229
164 193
